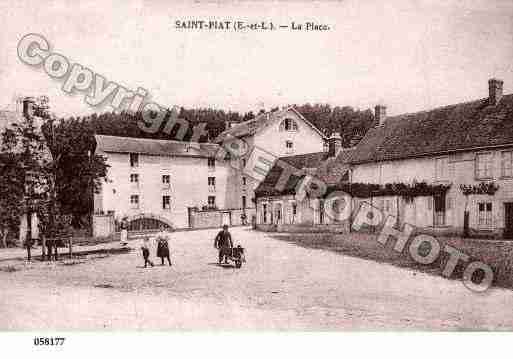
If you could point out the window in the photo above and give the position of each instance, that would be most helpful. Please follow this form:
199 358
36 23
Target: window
441 168
244 181
379 203
484 165
134 201
243 201
439 219
277 213
506 161
294 213
484 217
134 160
264 213
211 163
211 184
321 212
243 163
289 146
166 202
134 178
166 179
387 205
212 201
288 124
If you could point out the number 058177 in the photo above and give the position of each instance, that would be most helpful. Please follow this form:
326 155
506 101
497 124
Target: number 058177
48 341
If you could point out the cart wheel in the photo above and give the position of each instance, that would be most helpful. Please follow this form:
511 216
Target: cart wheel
238 263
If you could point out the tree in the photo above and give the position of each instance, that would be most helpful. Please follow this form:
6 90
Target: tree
77 171
23 159
11 195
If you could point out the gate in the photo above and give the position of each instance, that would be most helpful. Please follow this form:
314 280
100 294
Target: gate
146 223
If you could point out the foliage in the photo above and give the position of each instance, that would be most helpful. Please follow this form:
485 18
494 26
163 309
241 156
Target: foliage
52 223
488 188
78 171
406 190
11 194
345 120
22 181
125 123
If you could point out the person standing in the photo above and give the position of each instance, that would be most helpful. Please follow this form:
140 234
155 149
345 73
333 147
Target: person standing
146 252
124 231
163 245
223 242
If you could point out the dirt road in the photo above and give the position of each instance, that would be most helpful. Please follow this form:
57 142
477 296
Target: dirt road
282 286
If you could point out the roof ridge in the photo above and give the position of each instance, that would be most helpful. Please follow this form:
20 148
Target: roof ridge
455 127
156 139
409 114
303 154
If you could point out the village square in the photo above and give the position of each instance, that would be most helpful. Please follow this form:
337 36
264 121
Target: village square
280 172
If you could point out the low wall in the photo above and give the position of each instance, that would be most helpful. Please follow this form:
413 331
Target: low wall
302 228
267 227
216 218
103 225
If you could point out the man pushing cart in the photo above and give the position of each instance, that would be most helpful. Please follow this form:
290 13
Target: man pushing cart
223 242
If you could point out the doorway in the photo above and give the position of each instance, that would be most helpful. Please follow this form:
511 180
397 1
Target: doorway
226 218
508 220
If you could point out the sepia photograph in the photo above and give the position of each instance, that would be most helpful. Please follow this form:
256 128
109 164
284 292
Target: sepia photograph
255 166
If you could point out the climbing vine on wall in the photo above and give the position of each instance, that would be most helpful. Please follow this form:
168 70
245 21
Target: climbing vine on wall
406 190
488 188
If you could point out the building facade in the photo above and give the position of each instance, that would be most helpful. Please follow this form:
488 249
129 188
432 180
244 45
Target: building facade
466 149
280 133
287 208
160 179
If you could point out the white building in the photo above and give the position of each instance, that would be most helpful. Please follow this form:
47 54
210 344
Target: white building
162 179
159 178
280 133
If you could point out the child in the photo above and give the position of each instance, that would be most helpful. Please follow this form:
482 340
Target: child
124 231
146 252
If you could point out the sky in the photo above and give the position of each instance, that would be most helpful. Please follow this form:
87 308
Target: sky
409 55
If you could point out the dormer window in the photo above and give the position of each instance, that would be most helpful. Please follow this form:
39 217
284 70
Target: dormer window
288 124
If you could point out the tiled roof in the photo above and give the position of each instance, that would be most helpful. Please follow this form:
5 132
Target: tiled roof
154 147
248 128
309 161
447 129
333 170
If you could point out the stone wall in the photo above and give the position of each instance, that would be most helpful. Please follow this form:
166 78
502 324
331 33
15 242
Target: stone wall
216 218
103 225
342 227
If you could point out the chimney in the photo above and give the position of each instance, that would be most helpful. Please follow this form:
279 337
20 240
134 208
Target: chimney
28 106
380 114
494 91
334 144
